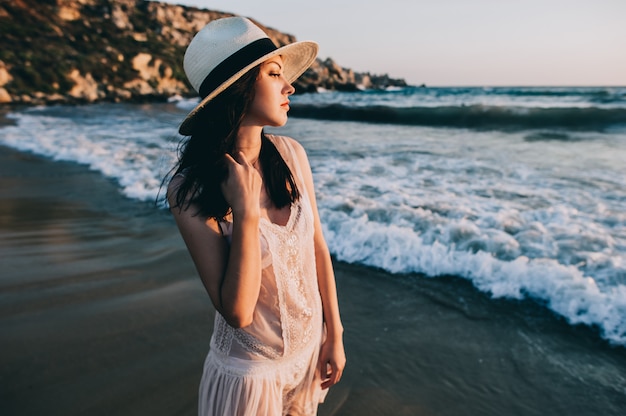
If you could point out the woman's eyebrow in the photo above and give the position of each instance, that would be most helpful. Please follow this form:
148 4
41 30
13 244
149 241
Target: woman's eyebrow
274 62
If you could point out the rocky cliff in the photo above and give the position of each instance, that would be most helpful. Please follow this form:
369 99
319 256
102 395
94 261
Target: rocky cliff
73 51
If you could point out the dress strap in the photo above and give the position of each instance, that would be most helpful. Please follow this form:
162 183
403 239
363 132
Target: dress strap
287 151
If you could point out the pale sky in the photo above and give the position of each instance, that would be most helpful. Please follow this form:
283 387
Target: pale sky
457 42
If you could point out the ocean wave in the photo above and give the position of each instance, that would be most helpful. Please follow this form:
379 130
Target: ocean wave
471 116
600 94
565 289
514 230
124 146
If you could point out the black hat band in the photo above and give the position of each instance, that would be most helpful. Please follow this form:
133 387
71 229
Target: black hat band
234 63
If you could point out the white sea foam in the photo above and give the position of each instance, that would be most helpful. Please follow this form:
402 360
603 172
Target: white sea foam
398 249
116 147
187 104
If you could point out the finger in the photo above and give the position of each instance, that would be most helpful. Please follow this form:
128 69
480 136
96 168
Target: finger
335 373
337 376
330 382
334 379
229 159
330 376
324 371
326 383
240 157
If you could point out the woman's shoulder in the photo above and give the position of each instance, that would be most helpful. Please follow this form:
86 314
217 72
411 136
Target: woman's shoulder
287 145
178 180
286 140
173 186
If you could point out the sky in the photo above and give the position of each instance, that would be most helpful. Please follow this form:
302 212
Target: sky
457 42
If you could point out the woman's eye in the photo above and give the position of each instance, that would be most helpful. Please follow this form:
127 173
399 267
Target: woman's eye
274 74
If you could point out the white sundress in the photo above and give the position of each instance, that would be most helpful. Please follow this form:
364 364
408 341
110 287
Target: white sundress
269 368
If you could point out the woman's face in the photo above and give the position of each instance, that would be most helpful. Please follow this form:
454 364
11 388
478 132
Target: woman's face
271 96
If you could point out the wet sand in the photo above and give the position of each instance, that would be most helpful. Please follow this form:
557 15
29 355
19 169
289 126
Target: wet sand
101 313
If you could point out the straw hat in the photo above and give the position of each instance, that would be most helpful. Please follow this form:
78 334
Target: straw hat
225 49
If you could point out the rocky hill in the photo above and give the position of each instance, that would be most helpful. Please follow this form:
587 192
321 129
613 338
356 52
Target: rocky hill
76 51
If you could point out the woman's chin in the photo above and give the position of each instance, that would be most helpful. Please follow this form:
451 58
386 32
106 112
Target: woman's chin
278 123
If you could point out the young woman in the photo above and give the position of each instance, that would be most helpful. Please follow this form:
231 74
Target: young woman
245 206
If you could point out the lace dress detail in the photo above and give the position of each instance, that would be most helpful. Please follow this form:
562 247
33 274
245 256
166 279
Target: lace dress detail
270 367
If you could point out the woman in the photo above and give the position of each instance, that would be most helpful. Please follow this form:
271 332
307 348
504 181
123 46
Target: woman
245 206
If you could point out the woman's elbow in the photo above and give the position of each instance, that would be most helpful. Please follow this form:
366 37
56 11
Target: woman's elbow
238 319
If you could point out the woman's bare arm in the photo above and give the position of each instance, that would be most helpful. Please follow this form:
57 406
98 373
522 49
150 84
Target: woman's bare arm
230 274
332 356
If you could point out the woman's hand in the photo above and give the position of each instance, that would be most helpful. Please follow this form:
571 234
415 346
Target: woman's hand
332 361
242 187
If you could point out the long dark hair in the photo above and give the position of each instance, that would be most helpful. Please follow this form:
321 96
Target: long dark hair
201 156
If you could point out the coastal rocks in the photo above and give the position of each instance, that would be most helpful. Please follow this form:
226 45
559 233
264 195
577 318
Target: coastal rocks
329 75
5 78
68 13
70 10
5 98
85 87
178 23
76 51
119 14
156 78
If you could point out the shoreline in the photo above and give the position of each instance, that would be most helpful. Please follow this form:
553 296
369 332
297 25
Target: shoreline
101 312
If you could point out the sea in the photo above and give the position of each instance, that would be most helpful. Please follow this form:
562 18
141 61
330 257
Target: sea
519 190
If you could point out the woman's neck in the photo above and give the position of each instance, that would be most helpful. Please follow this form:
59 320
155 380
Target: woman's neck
249 142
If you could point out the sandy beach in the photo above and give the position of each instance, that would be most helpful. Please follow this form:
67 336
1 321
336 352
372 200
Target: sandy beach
101 313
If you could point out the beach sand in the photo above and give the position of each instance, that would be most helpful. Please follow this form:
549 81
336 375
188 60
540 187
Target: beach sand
101 313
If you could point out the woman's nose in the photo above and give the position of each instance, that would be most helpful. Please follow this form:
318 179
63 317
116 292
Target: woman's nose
289 89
